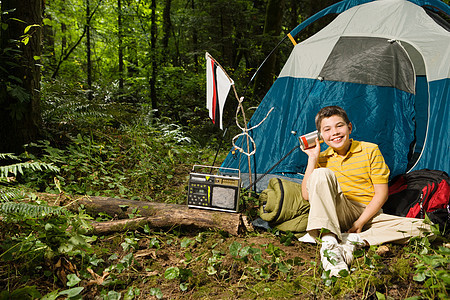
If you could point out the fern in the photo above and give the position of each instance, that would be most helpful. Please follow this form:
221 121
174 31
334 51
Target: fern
28 209
8 156
19 167
11 193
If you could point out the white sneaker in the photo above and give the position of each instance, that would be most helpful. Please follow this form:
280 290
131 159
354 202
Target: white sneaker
350 242
332 258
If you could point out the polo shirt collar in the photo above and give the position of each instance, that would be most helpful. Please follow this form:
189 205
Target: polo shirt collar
354 147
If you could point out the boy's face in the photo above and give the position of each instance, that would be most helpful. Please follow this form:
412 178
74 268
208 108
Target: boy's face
335 133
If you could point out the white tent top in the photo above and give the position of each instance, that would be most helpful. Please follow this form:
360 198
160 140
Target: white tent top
398 20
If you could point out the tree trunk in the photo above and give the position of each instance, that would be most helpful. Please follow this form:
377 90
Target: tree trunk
49 41
154 60
272 31
167 25
120 46
226 30
134 214
20 116
88 49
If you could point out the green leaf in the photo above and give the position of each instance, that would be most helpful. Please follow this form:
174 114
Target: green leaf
185 274
172 273
188 256
156 292
244 251
420 277
51 296
234 248
27 292
131 293
113 295
344 273
211 270
282 267
47 21
444 276
185 242
264 272
29 27
154 243
72 280
380 296
72 292
358 253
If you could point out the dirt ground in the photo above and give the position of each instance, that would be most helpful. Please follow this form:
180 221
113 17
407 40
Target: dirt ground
214 270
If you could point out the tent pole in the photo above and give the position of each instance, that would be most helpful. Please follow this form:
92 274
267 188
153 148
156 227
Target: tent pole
220 145
273 167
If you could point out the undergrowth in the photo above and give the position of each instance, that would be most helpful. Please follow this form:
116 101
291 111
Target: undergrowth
48 251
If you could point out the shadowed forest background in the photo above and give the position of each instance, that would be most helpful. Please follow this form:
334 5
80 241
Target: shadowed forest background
107 98
136 59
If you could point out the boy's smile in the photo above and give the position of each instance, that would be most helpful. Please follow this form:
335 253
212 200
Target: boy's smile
335 133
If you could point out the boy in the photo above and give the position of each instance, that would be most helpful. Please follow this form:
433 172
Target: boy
347 185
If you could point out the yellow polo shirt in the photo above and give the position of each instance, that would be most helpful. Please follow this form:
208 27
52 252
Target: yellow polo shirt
358 171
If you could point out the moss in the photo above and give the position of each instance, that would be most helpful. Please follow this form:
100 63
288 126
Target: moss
213 290
273 290
401 269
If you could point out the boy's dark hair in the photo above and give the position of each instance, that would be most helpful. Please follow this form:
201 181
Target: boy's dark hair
329 111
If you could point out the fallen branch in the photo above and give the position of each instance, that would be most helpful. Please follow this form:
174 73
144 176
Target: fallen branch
156 215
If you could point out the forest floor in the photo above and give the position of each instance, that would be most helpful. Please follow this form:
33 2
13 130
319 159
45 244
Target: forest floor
186 263
189 264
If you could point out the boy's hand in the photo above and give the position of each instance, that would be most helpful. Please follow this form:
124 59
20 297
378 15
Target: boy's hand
313 152
356 227
313 157
379 198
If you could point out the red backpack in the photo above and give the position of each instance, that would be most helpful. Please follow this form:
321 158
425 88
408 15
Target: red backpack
421 192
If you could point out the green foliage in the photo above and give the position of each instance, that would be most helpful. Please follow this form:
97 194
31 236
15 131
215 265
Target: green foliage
139 160
19 168
25 293
432 269
28 209
34 232
266 269
7 193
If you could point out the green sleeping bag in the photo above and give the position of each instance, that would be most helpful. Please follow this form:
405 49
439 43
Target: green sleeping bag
283 206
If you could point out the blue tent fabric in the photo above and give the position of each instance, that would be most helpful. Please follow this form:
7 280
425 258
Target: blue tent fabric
437 141
387 123
412 128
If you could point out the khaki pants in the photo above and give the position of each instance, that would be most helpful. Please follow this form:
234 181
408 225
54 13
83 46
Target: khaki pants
331 210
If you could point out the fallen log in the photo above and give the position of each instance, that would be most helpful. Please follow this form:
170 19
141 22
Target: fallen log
156 215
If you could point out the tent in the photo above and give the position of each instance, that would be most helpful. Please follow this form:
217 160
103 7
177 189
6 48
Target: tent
386 62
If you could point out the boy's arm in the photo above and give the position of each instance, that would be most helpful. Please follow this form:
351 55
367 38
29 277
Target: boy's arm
313 157
378 200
